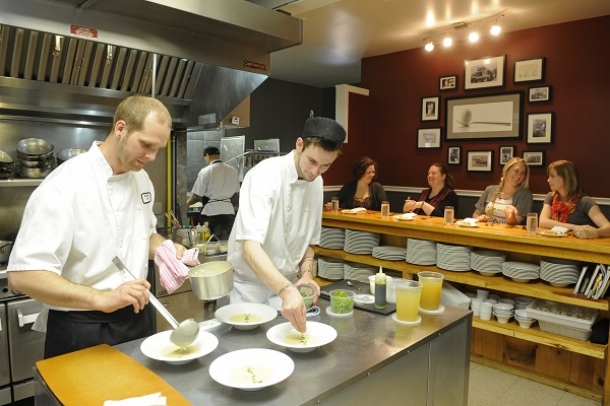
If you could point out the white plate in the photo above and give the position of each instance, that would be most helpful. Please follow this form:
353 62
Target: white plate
160 348
317 335
466 224
551 233
353 211
405 216
251 369
258 314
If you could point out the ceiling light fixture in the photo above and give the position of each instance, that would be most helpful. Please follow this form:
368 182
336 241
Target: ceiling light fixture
495 29
447 42
473 36
429 46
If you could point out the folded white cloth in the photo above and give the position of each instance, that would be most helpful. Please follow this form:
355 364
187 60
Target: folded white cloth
154 399
356 210
470 220
173 272
560 230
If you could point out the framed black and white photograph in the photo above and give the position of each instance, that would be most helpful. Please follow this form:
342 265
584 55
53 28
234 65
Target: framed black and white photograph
429 108
539 94
448 82
484 117
429 138
529 70
454 155
539 128
484 72
533 158
507 152
480 161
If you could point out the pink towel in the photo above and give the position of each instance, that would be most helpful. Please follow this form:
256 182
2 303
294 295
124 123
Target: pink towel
172 271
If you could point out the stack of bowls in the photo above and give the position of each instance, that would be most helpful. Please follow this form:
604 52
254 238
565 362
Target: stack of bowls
35 158
65 154
522 318
6 165
503 311
521 302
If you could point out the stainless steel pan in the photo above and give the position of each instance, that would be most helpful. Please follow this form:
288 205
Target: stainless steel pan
34 146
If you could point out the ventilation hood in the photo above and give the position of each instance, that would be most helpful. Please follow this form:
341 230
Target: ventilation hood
74 60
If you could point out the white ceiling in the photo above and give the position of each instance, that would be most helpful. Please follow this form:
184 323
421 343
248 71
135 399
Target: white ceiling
337 34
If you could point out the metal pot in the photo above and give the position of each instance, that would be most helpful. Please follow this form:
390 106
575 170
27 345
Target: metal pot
66 154
34 146
34 173
5 250
212 280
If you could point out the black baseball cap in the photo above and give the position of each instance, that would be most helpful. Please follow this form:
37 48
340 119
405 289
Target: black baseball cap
325 128
211 151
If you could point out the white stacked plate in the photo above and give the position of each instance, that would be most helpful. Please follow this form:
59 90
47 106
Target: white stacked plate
332 238
559 272
330 268
390 253
453 257
358 272
360 242
421 252
487 262
521 271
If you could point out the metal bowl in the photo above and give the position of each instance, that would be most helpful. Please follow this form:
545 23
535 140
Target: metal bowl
212 280
5 158
37 163
66 154
33 173
34 146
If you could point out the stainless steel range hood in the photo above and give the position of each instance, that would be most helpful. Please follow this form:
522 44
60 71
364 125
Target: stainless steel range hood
76 59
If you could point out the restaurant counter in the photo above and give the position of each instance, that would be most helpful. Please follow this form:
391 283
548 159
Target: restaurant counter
372 358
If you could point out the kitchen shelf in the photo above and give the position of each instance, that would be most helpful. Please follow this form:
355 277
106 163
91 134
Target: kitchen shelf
20 182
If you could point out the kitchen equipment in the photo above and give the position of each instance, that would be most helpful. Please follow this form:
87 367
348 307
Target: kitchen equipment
5 158
349 283
34 146
65 154
317 335
5 250
184 333
211 280
245 316
158 347
33 173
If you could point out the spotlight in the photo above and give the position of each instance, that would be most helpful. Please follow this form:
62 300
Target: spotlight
495 29
429 46
473 37
447 41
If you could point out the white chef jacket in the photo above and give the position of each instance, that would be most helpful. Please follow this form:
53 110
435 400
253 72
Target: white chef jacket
81 217
282 213
219 182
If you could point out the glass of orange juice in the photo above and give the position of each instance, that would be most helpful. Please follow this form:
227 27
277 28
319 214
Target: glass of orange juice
408 293
432 282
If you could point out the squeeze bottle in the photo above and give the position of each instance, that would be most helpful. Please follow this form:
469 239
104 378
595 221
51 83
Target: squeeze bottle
380 290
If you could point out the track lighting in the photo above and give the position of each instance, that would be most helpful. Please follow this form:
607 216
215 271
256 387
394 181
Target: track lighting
429 46
473 37
447 41
495 29
457 31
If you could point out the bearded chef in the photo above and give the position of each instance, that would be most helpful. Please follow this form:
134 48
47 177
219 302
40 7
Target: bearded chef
279 221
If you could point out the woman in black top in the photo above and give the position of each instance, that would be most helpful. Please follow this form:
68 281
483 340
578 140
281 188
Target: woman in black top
363 191
432 201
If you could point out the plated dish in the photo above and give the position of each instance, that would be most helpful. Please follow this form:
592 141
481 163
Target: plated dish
550 233
317 335
158 347
353 211
245 316
470 224
405 216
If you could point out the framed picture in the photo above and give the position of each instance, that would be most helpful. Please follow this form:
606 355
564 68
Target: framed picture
484 117
429 108
529 70
429 138
480 161
507 152
484 72
448 82
454 155
539 128
534 158
539 94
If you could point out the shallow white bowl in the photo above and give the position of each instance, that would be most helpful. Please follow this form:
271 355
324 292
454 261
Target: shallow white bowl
521 313
317 335
525 323
504 307
159 347
502 319
263 314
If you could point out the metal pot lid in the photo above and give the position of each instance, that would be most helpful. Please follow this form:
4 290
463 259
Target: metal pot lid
5 158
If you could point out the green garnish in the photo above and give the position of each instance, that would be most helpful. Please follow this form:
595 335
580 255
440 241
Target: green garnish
247 318
302 339
253 375
341 302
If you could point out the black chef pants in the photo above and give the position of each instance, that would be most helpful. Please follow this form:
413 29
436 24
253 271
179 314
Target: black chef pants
220 225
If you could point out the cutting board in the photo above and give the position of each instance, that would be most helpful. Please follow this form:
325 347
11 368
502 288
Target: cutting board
94 375
365 287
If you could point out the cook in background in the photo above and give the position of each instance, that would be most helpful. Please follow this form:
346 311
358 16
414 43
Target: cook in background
280 219
432 201
568 206
216 186
363 191
94 207
510 201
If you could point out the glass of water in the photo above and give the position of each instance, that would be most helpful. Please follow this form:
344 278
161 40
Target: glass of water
385 208
449 215
335 203
532 223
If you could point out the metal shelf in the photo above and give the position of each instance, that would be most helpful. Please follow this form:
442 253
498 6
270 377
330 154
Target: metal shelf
20 182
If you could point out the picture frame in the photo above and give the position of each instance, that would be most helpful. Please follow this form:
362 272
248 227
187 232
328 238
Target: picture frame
429 108
533 158
539 94
480 161
481 117
529 70
447 82
540 128
484 72
454 155
429 137
505 153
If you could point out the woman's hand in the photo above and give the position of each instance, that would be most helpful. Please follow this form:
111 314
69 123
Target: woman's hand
328 206
483 218
585 232
409 206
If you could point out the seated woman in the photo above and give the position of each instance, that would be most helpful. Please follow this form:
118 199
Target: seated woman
432 201
568 206
363 191
510 201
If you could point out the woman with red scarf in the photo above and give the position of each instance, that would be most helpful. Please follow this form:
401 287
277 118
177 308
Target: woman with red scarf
432 201
568 206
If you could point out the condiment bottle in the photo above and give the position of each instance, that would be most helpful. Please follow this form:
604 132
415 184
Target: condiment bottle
206 232
380 290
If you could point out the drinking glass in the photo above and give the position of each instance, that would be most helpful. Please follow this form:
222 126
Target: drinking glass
335 203
432 282
385 208
449 213
408 295
532 223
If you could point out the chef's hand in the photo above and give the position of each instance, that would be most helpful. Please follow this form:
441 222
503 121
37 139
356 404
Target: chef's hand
308 280
134 293
179 250
293 308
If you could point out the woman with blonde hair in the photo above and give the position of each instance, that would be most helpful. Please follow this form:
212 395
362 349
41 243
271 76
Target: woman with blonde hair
510 201
568 206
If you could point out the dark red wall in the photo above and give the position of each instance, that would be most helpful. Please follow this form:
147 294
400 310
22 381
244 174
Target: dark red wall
576 67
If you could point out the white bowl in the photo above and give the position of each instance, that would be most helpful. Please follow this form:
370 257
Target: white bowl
525 323
317 335
160 348
521 313
233 314
502 319
504 307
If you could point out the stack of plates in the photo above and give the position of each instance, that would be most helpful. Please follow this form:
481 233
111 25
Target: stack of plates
421 252
521 271
358 272
453 257
330 268
332 238
360 242
390 253
487 262
559 272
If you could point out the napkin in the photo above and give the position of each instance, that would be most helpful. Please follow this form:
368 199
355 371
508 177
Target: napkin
356 210
154 399
172 271
560 230
470 220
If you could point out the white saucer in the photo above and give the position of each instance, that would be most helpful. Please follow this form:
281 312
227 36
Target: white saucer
406 323
437 311
330 312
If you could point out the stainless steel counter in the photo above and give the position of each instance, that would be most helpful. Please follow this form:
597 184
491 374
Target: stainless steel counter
372 358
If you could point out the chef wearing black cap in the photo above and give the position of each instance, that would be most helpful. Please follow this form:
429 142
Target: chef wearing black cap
216 184
280 219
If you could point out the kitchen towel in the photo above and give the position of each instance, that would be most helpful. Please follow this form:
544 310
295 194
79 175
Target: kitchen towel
154 399
172 271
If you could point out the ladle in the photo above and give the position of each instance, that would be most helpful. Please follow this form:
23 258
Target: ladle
185 333
467 120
